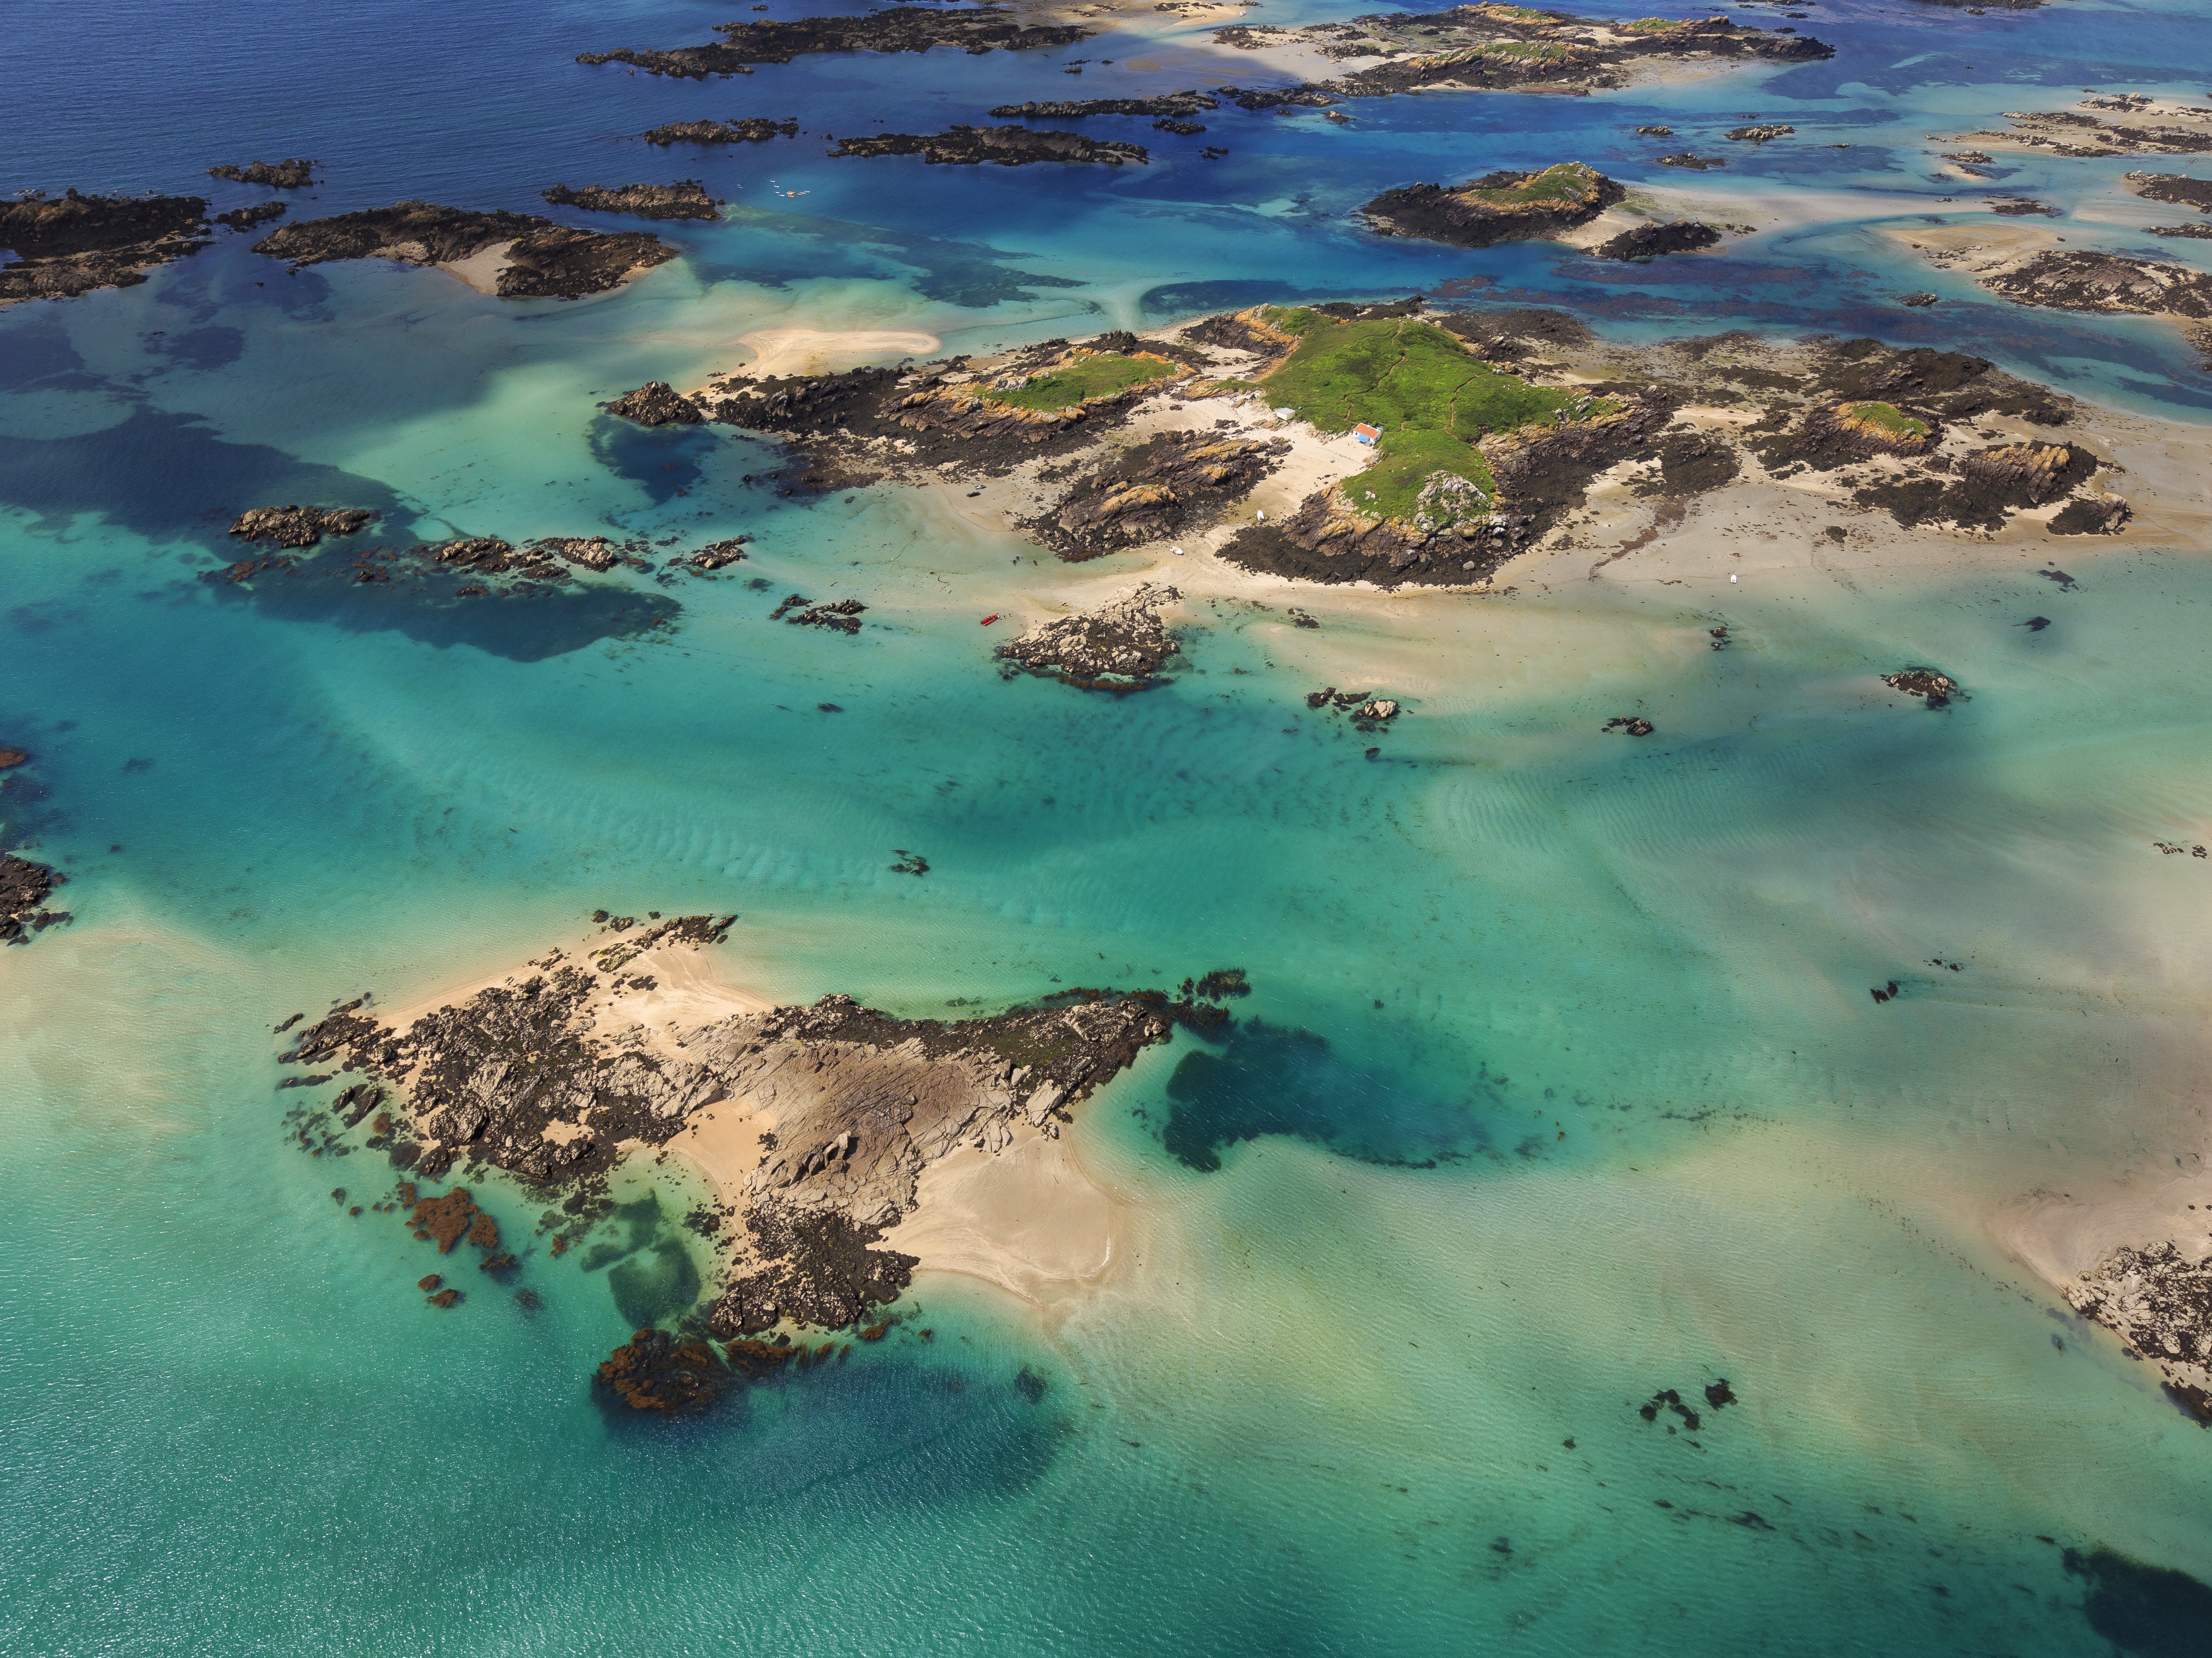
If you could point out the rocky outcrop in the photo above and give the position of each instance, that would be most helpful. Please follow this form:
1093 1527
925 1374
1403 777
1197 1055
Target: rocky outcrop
1002 146
70 244
1497 207
748 129
1651 241
2084 280
542 259
1760 135
277 175
593 552
2172 187
1935 689
901 29
1167 485
2159 1303
716 555
2105 515
656 1371
686 199
24 889
298 526
246 218
1120 647
657 403
539 1076
1184 104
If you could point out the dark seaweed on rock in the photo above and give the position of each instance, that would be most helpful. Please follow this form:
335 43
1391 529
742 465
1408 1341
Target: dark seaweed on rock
2172 187
973 29
544 260
823 1269
71 244
1005 146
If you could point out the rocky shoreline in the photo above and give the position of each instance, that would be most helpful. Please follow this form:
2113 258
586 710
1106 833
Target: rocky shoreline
543 260
25 886
547 1076
2159 1303
69 244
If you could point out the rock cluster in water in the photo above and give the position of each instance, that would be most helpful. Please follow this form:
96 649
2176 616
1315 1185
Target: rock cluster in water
747 130
1651 241
69 244
2159 1302
1120 647
298 526
902 29
657 403
1003 145
686 199
277 175
542 259
1172 104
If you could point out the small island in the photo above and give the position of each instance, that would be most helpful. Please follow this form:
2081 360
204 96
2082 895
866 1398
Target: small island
1497 207
523 256
686 199
69 244
1005 146
899 28
750 130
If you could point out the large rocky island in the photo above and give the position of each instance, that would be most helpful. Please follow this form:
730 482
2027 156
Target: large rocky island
896 28
70 244
1497 207
533 257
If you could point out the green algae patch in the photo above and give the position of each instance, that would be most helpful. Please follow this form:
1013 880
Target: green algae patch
1887 419
1069 384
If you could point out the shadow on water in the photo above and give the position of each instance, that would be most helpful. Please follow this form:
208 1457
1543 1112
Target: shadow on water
651 1275
1268 1079
425 601
168 476
664 461
2151 1609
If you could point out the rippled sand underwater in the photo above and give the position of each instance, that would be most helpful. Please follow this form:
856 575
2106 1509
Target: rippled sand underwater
1560 1086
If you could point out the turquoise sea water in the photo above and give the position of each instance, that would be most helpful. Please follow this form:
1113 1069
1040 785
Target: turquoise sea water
1559 1086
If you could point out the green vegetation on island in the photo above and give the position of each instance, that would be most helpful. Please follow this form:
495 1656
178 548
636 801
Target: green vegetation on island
1887 419
1432 399
1069 384
1563 181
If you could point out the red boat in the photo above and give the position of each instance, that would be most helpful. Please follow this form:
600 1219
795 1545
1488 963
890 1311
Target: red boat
988 620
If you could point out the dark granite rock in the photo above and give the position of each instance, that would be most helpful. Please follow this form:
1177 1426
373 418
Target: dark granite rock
277 175
1651 241
1005 146
1936 689
902 29
2175 188
245 218
544 260
24 889
687 199
2086 280
748 130
657 403
70 244
719 554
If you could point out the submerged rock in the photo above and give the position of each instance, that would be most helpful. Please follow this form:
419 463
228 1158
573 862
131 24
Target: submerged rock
1120 647
686 199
